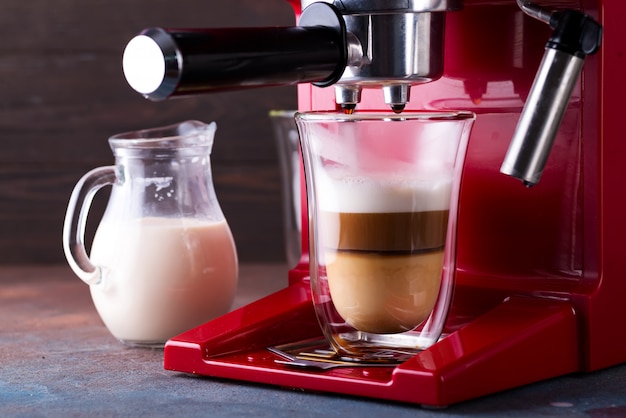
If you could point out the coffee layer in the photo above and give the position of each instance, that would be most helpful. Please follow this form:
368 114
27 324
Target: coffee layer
399 232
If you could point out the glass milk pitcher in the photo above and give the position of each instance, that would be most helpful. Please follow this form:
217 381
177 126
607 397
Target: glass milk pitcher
163 259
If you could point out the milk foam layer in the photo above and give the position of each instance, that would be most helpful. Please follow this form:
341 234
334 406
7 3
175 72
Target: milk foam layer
162 276
363 194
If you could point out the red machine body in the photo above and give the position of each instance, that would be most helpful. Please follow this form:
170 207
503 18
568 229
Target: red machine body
540 274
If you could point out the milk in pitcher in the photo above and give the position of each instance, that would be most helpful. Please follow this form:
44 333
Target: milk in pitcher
162 276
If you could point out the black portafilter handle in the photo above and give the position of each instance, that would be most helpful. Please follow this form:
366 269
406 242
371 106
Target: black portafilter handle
160 63
575 36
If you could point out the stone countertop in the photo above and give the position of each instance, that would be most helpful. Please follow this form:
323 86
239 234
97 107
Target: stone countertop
58 359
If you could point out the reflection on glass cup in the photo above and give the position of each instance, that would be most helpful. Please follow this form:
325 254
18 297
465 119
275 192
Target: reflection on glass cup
286 137
383 192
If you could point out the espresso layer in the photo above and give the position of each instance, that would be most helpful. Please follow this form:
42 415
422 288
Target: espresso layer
400 232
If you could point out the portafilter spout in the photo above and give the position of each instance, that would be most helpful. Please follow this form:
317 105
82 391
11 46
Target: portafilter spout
575 36
393 45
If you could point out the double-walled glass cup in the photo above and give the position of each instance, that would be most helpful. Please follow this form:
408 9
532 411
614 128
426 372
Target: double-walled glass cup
382 194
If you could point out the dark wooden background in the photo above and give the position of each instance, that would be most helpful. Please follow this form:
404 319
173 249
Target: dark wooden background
63 94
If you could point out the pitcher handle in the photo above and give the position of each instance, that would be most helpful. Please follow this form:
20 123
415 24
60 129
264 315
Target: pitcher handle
76 219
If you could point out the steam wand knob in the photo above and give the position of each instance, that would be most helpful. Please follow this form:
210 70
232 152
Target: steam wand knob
575 36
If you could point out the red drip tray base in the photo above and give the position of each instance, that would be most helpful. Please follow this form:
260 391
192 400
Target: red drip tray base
515 342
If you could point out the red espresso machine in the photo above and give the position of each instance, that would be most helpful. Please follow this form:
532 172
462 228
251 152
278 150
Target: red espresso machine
539 274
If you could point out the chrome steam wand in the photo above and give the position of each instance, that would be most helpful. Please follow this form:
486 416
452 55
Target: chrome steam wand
575 36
